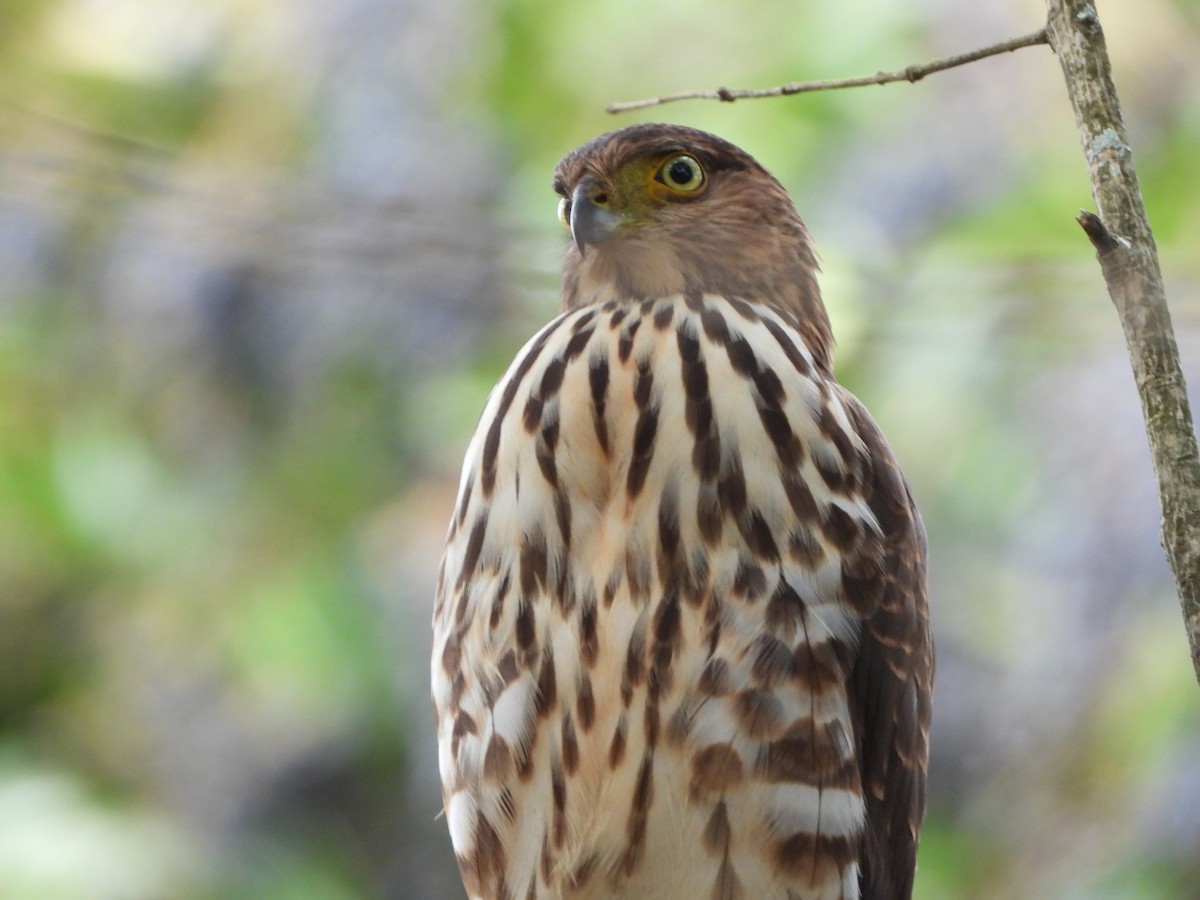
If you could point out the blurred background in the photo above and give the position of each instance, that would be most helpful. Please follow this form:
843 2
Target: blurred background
260 263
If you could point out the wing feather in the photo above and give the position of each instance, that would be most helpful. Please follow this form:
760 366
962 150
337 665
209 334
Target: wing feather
892 682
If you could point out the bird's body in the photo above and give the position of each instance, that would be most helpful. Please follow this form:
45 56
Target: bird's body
681 643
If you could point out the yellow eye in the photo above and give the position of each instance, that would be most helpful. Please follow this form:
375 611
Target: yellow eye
681 173
564 212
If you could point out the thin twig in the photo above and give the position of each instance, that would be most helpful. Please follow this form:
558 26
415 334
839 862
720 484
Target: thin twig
910 74
121 143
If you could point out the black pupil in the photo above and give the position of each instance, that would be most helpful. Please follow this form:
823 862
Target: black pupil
681 171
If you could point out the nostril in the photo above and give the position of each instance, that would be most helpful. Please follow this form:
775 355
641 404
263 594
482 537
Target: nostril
600 199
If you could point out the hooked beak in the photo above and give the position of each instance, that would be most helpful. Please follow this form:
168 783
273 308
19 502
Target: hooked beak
592 221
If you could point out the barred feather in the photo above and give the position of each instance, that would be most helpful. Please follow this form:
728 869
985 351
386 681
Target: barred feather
681 640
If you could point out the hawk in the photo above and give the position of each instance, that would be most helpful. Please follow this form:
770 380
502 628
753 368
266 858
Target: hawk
681 637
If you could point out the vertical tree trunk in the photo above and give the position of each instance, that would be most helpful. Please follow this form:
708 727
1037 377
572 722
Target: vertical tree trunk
1129 261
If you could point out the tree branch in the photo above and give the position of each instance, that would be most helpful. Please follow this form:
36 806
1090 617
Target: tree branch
910 74
1128 258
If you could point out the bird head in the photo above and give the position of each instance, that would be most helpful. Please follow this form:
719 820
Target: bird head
641 192
656 210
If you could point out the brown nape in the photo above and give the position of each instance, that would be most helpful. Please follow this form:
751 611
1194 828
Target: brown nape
740 237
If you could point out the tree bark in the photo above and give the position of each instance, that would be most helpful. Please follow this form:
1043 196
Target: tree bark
1129 261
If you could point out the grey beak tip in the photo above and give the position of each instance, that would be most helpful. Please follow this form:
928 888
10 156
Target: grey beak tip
579 203
590 224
